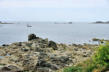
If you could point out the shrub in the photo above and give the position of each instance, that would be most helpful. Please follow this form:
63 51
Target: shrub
73 69
99 62
101 58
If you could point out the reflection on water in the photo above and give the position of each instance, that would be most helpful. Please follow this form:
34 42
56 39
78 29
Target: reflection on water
62 33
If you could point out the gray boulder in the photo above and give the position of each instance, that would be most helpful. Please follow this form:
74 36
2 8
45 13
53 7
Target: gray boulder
32 37
53 45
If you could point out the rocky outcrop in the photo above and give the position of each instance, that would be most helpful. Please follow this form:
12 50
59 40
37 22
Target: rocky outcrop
32 37
42 55
53 45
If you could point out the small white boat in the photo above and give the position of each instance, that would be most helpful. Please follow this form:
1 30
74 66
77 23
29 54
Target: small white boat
29 25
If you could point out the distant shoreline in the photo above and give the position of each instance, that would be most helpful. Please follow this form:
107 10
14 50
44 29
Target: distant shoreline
101 22
6 23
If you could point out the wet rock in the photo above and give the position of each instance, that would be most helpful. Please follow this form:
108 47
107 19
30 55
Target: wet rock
53 45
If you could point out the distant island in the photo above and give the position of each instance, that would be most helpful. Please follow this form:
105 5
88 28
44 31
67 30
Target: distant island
5 22
63 23
101 22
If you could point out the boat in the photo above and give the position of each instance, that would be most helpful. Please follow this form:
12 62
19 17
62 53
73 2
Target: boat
29 25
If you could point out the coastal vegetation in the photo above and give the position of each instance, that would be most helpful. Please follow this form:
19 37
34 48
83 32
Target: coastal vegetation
99 62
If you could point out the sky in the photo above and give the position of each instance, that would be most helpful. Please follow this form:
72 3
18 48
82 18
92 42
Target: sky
54 10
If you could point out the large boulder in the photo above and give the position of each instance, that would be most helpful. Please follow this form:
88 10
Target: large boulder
53 45
32 37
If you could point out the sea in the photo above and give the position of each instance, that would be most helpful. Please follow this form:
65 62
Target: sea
59 32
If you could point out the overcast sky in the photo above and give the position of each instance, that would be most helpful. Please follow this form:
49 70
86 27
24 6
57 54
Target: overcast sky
54 10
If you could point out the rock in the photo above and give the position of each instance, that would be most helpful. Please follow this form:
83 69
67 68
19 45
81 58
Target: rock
25 49
32 37
61 61
13 68
44 64
2 53
10 68
95 39
19 44
43 56
5 45
53 45
74 45
37 49
44 41
43 45
43 69
13 58
76 49
29 61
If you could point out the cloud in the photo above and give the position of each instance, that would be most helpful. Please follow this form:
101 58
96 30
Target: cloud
52 3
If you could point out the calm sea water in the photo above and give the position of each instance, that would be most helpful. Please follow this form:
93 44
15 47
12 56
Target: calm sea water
61 33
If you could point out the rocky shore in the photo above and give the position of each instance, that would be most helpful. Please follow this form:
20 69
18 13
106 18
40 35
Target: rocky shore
42 55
